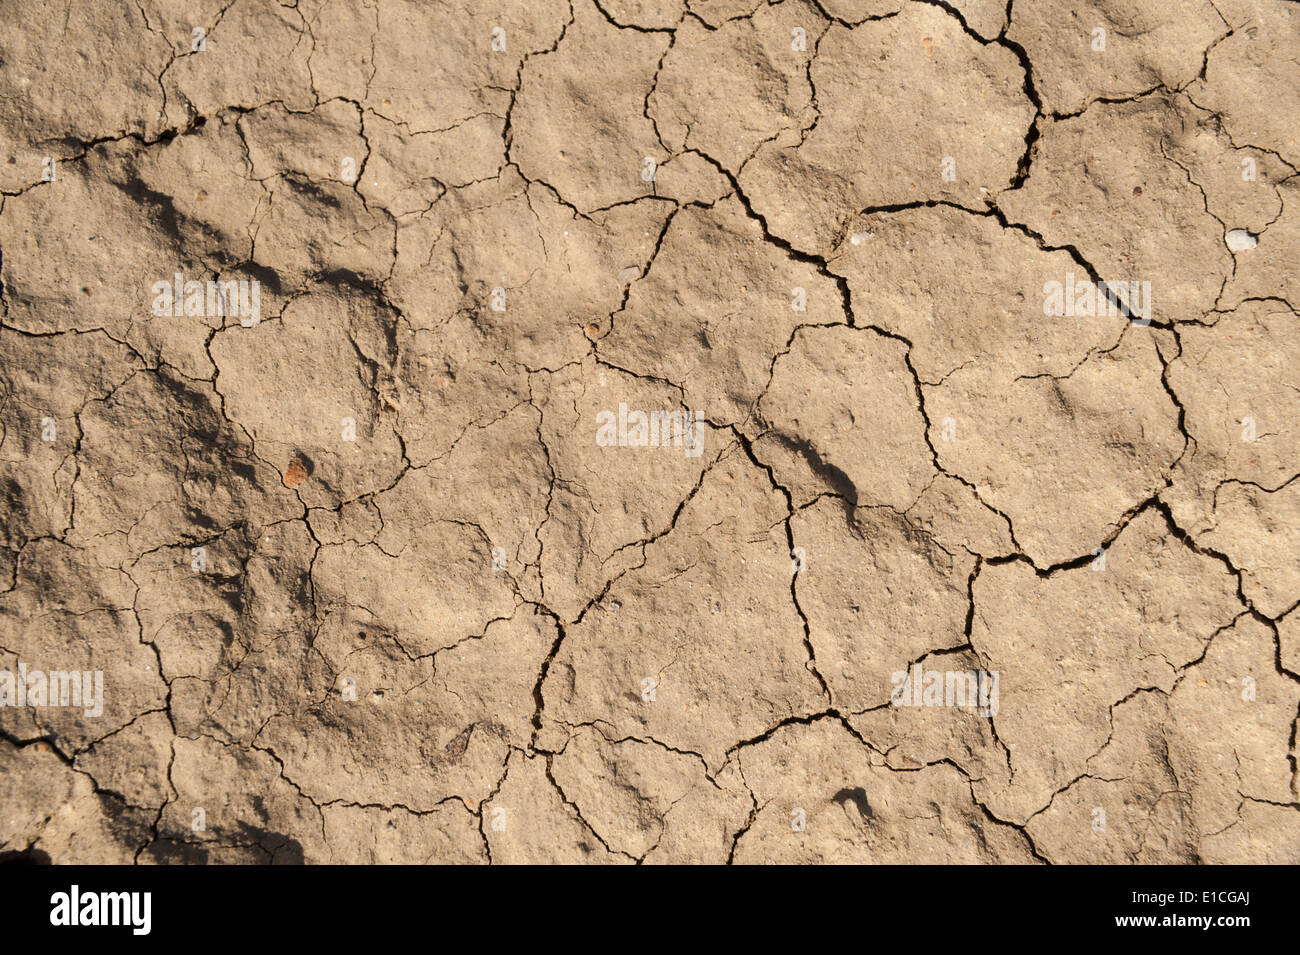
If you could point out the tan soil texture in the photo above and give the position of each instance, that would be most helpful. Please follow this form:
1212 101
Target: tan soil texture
672 431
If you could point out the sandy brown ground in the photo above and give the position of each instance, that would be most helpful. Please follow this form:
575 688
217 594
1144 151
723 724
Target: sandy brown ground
372 569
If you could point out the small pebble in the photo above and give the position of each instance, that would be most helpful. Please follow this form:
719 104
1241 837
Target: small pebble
1239 240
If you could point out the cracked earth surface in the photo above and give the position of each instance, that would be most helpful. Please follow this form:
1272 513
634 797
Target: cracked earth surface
365 584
